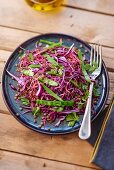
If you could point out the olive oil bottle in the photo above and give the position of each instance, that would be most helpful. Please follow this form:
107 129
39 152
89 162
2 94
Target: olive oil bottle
44 5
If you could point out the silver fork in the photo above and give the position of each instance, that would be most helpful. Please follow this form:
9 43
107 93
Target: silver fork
96 56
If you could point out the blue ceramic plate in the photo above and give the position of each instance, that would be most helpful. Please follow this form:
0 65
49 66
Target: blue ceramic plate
27 119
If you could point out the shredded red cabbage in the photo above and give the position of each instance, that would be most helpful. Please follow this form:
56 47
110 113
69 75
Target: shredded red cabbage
59 69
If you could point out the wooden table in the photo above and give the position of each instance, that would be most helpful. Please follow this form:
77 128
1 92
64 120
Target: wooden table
92 21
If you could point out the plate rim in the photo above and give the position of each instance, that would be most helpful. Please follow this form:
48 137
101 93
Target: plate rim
28 125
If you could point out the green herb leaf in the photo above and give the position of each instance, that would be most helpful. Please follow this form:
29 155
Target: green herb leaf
60 109
55 44
50 82
34 65
55 103
80 55
36 111
51 60
72 118
51 92
80 85
46 42
90 68
55 71
96 93
84 99
52 72
85 74
86 93
28 72
80 106
25 101
87 67
60 71
84 86
31 57
83 67
74 83
71 123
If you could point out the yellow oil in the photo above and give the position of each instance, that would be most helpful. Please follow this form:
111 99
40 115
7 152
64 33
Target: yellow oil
44 5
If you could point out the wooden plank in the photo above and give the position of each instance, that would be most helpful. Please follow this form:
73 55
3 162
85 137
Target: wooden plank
11 160
11 38
3 57
91 27
104 6
66 148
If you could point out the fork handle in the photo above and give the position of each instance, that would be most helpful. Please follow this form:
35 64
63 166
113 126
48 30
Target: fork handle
85 129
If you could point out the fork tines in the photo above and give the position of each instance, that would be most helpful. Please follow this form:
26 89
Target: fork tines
96 55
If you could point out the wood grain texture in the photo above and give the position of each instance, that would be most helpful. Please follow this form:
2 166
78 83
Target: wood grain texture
66 148
88 26
19 22
15 161
100 6
11 38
